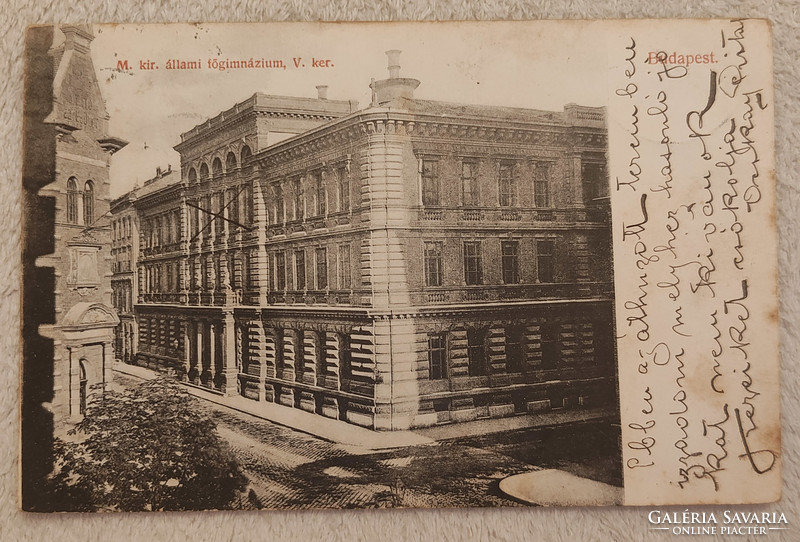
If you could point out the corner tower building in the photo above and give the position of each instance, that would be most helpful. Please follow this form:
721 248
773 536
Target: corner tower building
84 321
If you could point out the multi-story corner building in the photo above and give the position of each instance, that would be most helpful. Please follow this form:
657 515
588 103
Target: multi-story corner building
124 286
410 263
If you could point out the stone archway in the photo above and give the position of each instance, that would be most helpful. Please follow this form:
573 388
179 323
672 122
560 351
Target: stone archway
88 330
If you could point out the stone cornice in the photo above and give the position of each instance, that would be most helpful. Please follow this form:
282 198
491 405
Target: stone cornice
201 133
424 125
166 194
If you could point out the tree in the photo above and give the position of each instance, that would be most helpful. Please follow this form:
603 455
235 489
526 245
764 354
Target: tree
148 447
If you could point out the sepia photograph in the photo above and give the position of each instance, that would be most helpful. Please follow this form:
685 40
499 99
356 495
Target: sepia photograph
291 266
268 279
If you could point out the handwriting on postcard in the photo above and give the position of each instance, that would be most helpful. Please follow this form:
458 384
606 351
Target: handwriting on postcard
692 185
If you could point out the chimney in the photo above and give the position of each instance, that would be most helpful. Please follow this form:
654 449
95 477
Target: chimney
387 90
322 92
394 63
158 172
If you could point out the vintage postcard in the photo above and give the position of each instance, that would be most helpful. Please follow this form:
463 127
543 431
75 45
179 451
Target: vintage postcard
370 265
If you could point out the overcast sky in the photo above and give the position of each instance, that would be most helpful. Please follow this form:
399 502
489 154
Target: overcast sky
536 65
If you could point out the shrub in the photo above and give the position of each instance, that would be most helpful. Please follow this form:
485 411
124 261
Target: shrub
147 447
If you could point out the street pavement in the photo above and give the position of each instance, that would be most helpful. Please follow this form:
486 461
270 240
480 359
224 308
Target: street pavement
438 467
289 469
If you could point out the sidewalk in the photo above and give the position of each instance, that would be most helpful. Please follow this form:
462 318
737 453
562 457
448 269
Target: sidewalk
552 487
357 438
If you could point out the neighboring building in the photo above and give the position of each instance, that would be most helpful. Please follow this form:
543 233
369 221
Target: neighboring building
411 263
124 286
184 310
84 320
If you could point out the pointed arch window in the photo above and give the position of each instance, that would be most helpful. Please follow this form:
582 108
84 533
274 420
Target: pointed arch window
72 200
88 203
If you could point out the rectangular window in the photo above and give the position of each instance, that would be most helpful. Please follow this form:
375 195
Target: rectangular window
469 184
219 203
321 256
507 185
234 277
204 273
473 267
280 270
437 356
544 260
594 182
345 272
433 263
247 278
195 213
430 183
319 183
233 207
280 205
515 337
344 189
249 205
218 273
541 185
300 269
510 260
549 345
476 350
299 204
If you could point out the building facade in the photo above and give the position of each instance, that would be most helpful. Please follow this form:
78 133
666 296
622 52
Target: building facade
124 286
84 319
407 264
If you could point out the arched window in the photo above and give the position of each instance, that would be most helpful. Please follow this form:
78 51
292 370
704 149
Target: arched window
204 172
230 162
192 176
88 203
216 167
72 200
245 154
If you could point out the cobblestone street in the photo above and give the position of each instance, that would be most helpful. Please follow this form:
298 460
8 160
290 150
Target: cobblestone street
289 469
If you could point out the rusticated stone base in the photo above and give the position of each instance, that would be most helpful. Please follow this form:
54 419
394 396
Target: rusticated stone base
539 406
501 411
307 401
